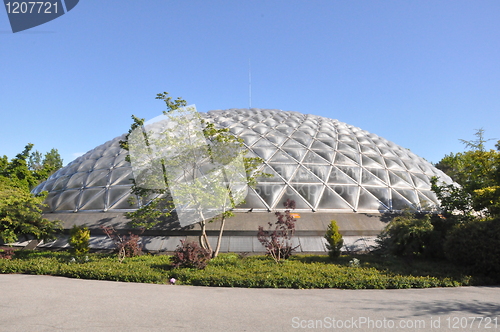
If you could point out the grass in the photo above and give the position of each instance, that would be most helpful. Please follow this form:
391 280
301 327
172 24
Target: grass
233 270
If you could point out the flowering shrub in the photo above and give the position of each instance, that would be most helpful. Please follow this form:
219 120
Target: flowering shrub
278 243
6 253
190 255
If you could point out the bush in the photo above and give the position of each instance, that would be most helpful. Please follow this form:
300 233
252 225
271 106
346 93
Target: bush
406 235
190 255
79 239
6 253
476 244
334 239
278 243
126 245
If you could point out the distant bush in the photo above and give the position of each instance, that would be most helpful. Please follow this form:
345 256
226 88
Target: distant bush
126 245
278 242
406 235
334 239
6 253
476 244
79 239
190 255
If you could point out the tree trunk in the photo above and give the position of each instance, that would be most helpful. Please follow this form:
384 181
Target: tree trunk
219 239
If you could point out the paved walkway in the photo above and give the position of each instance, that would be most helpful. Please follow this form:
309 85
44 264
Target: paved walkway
45 303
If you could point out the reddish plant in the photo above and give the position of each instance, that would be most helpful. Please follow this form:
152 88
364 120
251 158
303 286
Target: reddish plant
126 245
278 242
190 255
6 253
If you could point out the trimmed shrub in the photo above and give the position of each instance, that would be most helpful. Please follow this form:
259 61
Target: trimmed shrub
407 235
476 244
79 239
334 239
190 255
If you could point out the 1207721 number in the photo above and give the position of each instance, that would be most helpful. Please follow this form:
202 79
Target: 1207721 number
32 7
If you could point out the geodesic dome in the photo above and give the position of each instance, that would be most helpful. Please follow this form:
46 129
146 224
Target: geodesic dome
322 164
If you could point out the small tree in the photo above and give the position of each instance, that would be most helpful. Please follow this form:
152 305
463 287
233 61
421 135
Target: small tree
278 242
79 239
334 239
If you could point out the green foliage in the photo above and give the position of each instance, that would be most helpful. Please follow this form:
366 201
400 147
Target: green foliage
190 255
230 270
406 235
20 215
79 239
476 244
477 171
334 239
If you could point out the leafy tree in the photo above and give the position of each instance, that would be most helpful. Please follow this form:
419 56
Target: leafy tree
21 215
157 204
20 211
477 171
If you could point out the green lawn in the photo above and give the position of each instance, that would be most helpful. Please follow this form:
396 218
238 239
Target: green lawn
233 270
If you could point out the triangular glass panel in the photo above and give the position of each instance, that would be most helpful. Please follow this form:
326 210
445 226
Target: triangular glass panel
369 202
307 130
397 180
354 156
104 163
394 165
353 172
302 138
381 193
368 162
340 159
77 180
116 193
400 203
68 200
253 201
121 176
311 193
409 194
123 204
263 142
411 166
344 147
302 175
367 178
285 170
300 203
331 200
431 196
369 151
296 153
61 182
97 178
339 177
281 157
237 129
292 144
317 145
380 173
387 153
250 139
421 181
95 201
270 193
260 128
348 193
332 143
320 171
276 137
270 122
425 203
274 176
313 158
285 130
326 154
264 153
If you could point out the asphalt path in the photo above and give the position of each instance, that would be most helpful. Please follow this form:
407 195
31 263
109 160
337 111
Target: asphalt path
45 303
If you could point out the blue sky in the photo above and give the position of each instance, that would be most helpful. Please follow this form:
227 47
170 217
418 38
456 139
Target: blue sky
422 74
